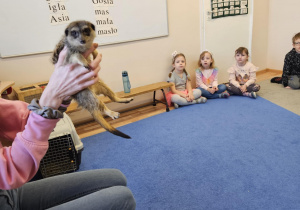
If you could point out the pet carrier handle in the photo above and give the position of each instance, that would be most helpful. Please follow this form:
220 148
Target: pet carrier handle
126 82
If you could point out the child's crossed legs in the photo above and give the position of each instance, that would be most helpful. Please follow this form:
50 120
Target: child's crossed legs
177 99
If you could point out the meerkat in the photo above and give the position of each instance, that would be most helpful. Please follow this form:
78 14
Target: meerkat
79 37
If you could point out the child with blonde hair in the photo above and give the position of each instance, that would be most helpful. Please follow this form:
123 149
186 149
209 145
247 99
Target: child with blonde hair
181 92
207 78
242 75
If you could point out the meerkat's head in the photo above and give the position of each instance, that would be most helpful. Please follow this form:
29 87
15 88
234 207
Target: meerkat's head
80 35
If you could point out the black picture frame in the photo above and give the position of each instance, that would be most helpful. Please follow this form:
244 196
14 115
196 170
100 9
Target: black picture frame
225 8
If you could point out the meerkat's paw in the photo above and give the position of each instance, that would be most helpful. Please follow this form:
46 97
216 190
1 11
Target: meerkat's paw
113 115
128 100
124 100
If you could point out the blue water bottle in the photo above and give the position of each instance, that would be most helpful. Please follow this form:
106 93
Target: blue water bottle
126 82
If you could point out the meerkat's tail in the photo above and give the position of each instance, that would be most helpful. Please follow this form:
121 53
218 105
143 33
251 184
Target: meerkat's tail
87 99
100 119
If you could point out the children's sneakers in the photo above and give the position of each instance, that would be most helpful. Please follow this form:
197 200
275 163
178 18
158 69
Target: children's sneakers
250 94
224 95
253 95
201 100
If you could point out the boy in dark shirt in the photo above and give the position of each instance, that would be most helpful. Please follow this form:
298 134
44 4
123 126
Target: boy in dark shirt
291 68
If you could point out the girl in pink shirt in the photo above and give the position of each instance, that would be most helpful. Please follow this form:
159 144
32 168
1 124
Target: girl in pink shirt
207 78
242 75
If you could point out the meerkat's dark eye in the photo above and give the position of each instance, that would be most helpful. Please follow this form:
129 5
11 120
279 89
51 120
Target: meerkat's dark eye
86 31
74 34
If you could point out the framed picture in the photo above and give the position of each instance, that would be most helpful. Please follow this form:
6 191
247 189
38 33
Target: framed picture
224 8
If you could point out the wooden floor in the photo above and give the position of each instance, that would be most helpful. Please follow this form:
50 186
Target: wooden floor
92 128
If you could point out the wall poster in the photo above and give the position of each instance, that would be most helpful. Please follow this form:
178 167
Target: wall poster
224 8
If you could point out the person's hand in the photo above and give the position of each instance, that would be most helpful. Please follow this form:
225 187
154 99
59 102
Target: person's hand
92 65
243 88
182 95
211 90
190 97
69 79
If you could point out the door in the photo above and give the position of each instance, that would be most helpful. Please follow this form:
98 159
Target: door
222 36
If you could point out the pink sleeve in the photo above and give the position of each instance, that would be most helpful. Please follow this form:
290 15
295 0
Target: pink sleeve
232 77
20 162
215 82
199 82
252 72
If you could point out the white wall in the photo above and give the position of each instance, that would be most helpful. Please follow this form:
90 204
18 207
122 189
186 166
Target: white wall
260 35
147 61
222 36
284 19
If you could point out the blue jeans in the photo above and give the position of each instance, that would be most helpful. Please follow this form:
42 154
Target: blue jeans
94 189
208 95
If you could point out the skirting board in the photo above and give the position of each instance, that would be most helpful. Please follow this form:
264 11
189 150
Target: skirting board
269 70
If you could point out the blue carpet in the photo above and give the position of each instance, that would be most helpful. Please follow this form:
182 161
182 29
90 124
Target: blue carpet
236 153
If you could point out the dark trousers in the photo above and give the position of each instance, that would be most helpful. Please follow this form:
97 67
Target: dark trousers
233 90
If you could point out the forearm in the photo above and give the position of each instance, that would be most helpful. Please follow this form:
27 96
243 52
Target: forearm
205 87
20 162
202 85
285 74
215 84
49 98
189 87
178 92
13 118
252 76
199 81
175 91
285 80
235 83
251 80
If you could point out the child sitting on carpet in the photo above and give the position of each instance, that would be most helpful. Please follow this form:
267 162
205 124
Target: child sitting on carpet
207 78
291 68
181 93
242 75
